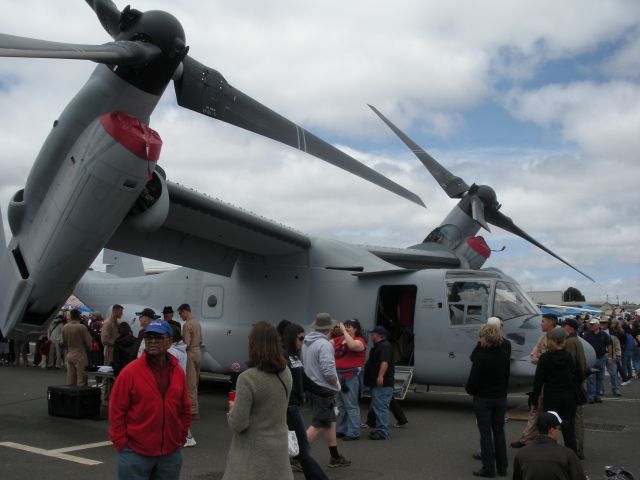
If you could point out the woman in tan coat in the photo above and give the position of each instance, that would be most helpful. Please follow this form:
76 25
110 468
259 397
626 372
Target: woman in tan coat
258 415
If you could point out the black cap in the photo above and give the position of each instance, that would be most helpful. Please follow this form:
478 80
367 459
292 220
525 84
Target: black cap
148 312
548 420
167 309
572 322
380 330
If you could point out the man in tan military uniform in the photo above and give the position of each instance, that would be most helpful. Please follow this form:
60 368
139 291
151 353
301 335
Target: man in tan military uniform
192 336
530 433
573 345
78 341
109 332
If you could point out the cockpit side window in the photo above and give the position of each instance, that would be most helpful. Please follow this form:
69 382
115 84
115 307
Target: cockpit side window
510 303
468 302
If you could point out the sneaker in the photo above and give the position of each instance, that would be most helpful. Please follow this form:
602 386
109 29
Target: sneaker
339 461
190 442
617 394
376 435
598 400
400 424
364 425
624 384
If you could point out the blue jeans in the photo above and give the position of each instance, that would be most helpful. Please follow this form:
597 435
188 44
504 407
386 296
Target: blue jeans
310 467
636 359
627 358
612 368
133 466
348 404
380 399
490 414
595 381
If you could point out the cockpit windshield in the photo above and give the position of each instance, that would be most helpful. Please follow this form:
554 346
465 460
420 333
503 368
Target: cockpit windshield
509 302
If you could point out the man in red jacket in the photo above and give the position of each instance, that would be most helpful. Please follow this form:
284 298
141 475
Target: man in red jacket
149 410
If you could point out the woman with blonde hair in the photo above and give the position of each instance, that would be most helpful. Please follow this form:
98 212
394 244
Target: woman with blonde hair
487 383
257 417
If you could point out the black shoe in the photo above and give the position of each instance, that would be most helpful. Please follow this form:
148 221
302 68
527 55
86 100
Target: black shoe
483 473
518 444
377 436
598 400
347 438
339 462
476 456
339 435
592 401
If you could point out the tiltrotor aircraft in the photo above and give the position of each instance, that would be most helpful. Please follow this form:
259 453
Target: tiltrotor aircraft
96 184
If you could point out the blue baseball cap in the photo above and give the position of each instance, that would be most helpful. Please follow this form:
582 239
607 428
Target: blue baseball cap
161 327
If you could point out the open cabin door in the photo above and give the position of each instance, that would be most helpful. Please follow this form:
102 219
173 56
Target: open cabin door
396 312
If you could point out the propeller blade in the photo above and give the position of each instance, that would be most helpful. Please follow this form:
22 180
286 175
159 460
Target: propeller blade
108 15
453 186
500 220
205 91
477 212
115 53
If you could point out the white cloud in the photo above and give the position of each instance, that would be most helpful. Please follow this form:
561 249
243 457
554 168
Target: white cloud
424 64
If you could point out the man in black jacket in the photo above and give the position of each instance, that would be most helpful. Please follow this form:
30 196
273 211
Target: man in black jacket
544 458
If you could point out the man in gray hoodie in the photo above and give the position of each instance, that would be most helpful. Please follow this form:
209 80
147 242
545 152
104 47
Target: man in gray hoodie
320 366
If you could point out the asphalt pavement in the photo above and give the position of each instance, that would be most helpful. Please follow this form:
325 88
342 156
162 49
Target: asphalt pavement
437 443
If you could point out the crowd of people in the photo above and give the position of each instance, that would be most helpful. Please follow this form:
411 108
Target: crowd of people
156 375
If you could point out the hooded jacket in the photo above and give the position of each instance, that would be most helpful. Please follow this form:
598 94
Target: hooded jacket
179 350
319 360
557 372
125 350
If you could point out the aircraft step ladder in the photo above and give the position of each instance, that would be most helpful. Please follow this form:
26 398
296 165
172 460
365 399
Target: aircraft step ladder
402 380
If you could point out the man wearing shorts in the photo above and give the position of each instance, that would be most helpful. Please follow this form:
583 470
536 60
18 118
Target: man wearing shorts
320 366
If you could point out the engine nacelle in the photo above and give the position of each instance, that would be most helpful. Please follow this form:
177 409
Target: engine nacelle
100 179
16 212
152 207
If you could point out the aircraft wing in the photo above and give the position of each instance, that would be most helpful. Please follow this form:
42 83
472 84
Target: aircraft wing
413 258
207 234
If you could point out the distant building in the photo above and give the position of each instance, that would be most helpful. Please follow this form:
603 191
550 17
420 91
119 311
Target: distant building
548 297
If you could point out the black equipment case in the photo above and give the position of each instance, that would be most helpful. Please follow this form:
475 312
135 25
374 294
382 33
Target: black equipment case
73 401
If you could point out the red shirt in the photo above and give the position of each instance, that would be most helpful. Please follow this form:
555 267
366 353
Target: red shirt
143 419
348 359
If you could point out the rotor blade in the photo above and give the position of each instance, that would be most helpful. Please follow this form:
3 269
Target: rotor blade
205 91
477 212
118 53
500 220
453 186
108 15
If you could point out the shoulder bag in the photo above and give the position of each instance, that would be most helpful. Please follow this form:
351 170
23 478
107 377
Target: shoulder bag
292 443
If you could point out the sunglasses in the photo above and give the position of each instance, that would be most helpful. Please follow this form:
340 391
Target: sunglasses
300 337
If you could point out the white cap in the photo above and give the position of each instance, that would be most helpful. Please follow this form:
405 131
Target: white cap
494 321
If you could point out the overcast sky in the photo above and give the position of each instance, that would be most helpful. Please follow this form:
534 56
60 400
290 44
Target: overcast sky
539 99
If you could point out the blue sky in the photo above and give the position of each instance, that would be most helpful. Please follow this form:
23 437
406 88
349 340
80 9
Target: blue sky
544 108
